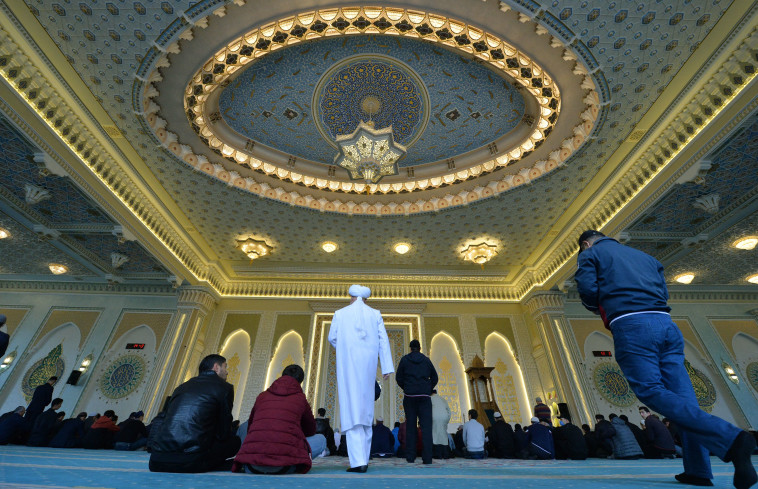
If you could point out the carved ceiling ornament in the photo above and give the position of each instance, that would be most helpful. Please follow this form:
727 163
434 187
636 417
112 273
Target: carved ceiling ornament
534 83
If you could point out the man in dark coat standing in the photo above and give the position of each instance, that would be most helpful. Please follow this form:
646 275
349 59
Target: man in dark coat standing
281 435
42 396
196 435
417 377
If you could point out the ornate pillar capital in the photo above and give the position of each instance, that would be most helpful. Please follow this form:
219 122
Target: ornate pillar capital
197 297
545 302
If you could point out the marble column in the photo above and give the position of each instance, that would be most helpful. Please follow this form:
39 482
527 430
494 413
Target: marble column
260 357
181 349
564 364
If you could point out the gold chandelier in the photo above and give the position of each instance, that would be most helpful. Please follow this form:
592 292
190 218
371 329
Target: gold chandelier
369 154
253 248
479 253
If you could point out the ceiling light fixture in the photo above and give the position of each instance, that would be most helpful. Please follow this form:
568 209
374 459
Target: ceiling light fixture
685 278
329 246
58 269
730 373
402 248
369 154
479 253
753 279
253 248
746 243
4 233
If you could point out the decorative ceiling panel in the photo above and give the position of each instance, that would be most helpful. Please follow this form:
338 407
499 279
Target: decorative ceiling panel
638 50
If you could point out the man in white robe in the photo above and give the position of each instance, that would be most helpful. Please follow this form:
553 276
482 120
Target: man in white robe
357 332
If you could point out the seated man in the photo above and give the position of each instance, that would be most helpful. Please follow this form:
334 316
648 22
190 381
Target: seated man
660 442
196 434
13 426
70 434
44 424
323 427
502 444
540 437
133 433
100 434
382 440
625 446
473 436
569 441
281 438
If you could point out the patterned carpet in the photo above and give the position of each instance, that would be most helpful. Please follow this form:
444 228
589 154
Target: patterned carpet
47 468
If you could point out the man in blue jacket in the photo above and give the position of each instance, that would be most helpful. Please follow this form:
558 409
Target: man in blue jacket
628 289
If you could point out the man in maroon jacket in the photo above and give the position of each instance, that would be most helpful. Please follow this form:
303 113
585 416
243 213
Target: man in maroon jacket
281 435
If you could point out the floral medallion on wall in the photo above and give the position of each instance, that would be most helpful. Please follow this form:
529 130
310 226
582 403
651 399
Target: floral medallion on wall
44 368
122 376
751 373
704 389
612 385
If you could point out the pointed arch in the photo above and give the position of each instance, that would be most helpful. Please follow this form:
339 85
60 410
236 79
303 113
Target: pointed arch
452 385
236 350
507 378
289 350
745 348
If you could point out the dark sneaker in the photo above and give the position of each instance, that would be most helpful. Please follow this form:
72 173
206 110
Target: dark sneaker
692 480
739 454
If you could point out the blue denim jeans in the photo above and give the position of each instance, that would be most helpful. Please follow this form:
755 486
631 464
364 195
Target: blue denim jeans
650 351
317 443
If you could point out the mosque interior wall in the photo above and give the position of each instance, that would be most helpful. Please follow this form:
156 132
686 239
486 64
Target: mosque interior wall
56 332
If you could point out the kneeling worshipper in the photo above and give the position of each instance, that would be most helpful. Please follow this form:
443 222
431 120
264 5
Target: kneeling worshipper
281 436
357 333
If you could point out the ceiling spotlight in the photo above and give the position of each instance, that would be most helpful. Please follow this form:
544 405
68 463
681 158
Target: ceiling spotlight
402 248
747 243
685 278
253 248
753 279
57 268
329 246
479 253
4 233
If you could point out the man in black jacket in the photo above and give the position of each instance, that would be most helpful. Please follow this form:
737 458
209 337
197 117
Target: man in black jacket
196 435
133 433
42 396
44 424
569 441
502 443
417 377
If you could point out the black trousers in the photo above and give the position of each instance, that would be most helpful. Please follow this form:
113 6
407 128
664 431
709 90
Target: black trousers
206 461
418 408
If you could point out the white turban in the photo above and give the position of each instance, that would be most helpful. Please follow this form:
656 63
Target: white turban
359 291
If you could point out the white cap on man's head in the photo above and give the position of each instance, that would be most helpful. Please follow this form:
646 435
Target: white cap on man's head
359 291
535 419
497 415
380 419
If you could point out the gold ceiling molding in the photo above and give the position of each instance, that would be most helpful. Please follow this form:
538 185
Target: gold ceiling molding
53 108
469 40
705 101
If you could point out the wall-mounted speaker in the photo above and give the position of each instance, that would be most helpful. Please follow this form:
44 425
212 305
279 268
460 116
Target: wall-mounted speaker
73 378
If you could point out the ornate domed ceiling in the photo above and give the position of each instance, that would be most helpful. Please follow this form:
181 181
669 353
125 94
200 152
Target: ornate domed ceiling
476 115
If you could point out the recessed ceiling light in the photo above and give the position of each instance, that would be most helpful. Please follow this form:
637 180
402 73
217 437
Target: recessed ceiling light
746 243
329 246
753 279
4 233
58 269
685 278
402 248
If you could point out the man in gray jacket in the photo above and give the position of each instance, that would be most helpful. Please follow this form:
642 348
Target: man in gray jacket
625 445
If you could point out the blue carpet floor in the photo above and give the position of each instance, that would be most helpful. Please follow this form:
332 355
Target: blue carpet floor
46 468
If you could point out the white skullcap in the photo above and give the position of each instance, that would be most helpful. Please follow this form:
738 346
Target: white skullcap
359 291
